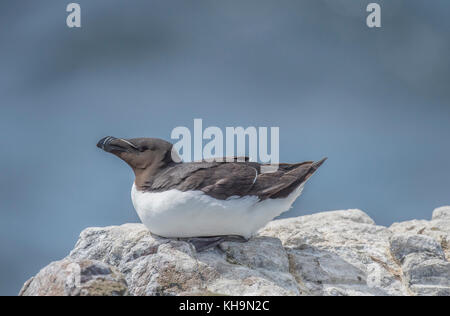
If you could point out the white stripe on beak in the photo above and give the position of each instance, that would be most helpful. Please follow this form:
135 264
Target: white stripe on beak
127 142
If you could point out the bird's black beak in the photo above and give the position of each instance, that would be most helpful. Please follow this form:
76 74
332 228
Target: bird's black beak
115 145
105 142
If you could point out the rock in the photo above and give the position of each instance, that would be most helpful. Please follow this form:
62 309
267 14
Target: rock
339 253
422 249
441 213
438 228
403 245
426 276
76 278
422 259
159 266
331 253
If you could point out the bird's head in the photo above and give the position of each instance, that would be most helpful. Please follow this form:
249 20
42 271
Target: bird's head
141 154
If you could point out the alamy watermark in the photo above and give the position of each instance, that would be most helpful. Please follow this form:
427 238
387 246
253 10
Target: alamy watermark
374 17
229 146
73 19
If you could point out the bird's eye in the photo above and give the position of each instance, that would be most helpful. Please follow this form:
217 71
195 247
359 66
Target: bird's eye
143 148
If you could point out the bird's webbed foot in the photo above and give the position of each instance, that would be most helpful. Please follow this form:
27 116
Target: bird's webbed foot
204 243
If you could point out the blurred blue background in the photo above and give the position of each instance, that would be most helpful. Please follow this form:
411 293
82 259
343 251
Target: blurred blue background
375 101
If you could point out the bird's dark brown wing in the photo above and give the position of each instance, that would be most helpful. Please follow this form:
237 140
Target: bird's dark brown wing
219 180
224 180
285 180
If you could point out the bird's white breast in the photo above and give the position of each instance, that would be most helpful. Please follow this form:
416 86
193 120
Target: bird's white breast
175 213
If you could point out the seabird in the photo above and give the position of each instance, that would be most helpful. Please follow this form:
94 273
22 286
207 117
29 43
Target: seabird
205 202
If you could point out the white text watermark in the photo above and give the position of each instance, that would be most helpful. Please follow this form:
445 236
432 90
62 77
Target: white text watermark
235 144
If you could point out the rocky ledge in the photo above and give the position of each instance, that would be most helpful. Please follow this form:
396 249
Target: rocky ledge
332 253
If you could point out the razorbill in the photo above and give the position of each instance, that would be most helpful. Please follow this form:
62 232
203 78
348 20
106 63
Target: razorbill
205 202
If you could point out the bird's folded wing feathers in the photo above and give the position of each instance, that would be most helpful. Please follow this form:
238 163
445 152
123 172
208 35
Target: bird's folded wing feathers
225 180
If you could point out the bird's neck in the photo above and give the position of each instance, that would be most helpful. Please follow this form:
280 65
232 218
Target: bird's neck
144 177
